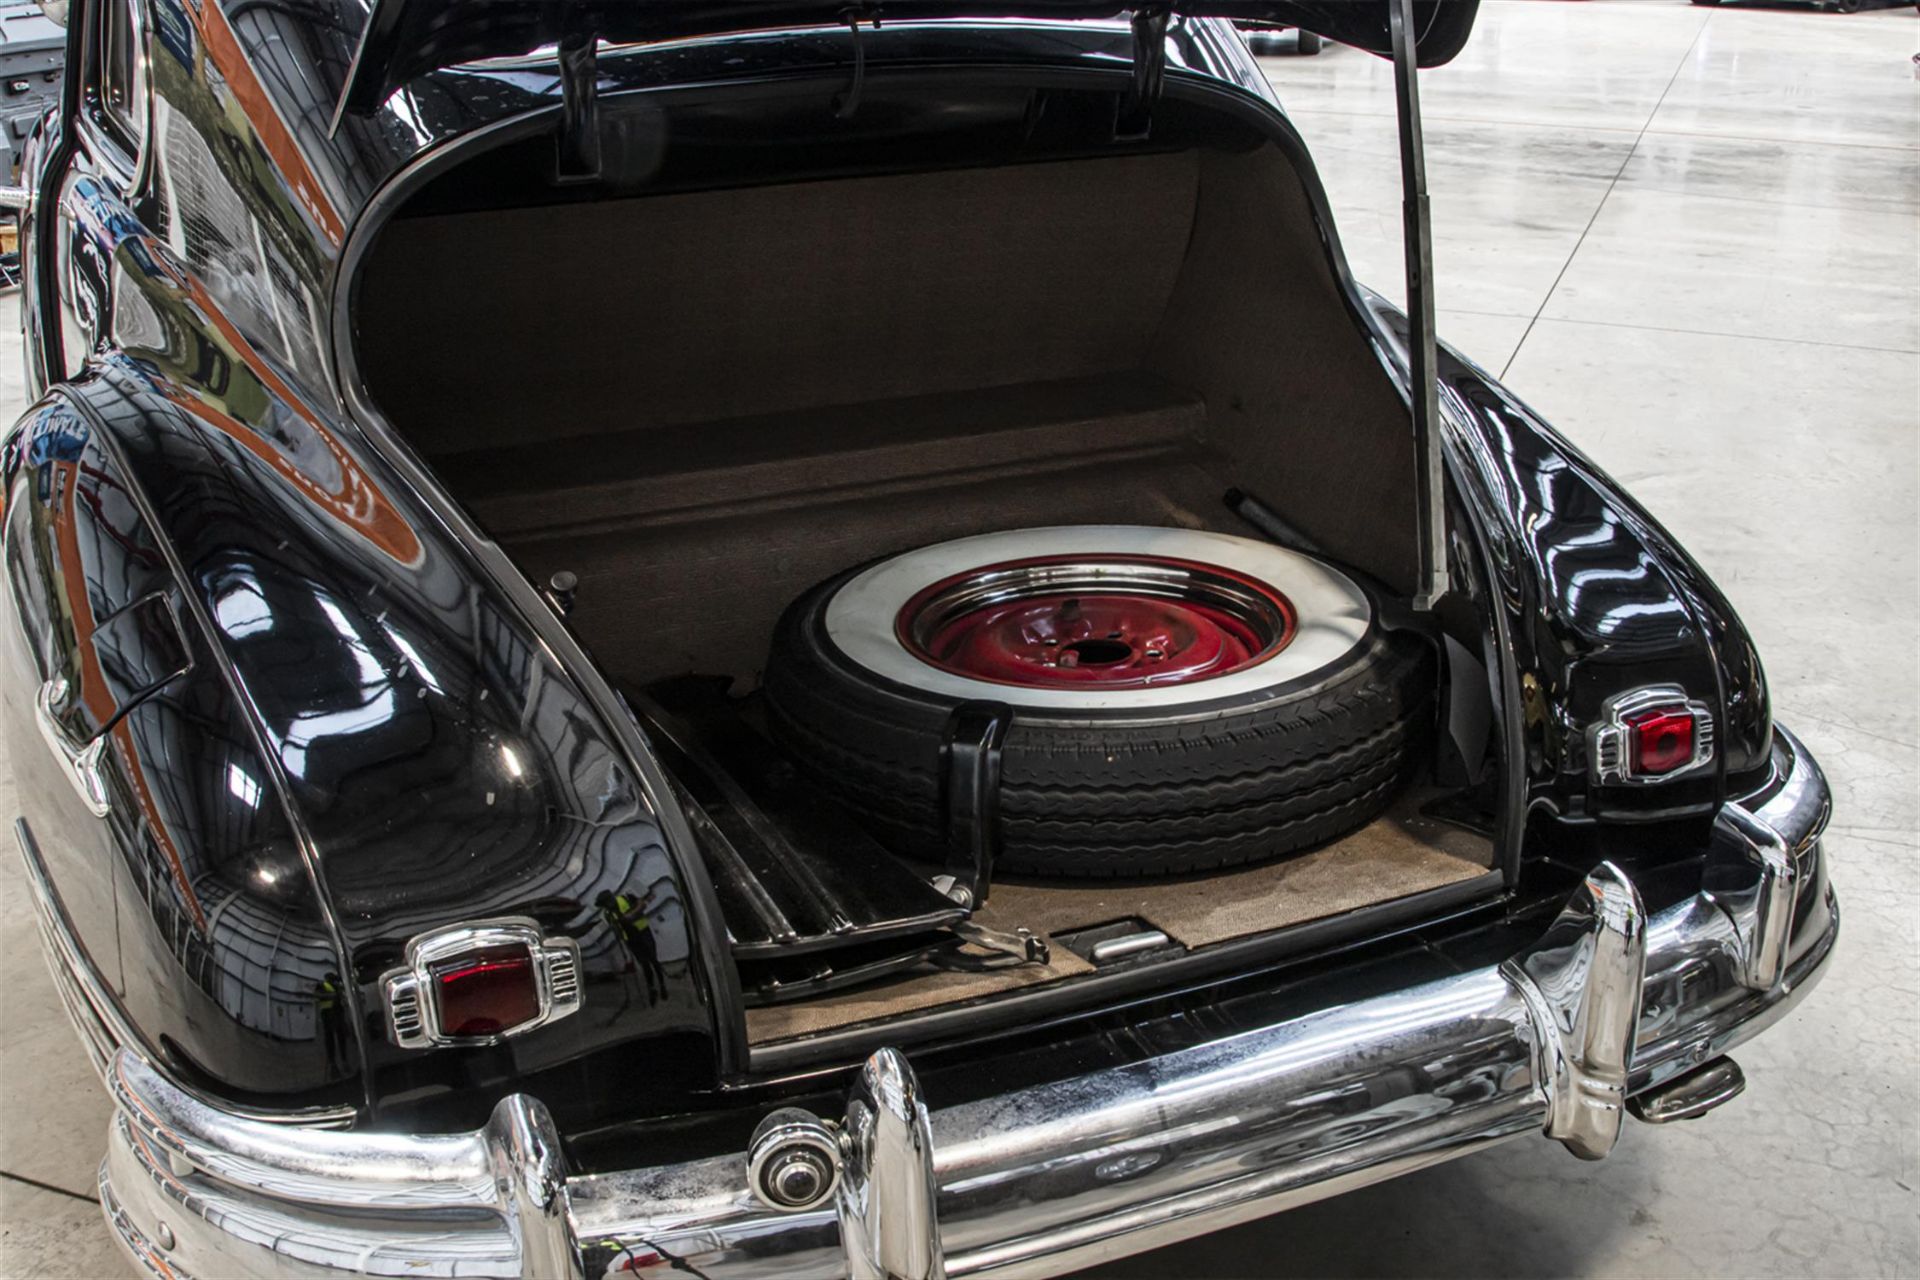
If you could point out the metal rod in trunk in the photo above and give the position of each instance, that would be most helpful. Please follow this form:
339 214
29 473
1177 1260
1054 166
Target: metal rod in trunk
1429 475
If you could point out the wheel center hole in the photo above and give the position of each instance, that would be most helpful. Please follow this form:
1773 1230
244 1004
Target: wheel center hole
1099 653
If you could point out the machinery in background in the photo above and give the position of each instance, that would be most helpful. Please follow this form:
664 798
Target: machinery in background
33 51
1267 40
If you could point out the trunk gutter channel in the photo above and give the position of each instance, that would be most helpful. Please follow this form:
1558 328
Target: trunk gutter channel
740 1064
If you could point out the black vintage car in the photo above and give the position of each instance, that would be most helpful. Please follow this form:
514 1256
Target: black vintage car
780 639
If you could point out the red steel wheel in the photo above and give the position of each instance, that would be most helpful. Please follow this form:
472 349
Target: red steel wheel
1181 699
1116 621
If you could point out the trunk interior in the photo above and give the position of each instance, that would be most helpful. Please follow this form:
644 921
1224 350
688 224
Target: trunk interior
702 396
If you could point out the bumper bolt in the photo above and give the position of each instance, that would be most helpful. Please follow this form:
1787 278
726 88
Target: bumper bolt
797 1177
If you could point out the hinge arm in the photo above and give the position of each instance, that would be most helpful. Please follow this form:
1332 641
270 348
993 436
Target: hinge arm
578 158
1135 117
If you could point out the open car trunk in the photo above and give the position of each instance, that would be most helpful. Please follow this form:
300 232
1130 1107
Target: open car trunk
701 397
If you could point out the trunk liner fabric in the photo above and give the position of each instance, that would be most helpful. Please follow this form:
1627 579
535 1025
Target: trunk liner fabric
703 403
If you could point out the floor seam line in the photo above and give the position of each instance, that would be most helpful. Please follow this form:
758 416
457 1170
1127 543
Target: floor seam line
1908 149
1854 728
1441 117
1906 212
1606 195
47 1186
1710 333
1471 311
1891 841
1429 117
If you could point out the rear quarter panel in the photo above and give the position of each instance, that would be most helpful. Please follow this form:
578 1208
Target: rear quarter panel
369 740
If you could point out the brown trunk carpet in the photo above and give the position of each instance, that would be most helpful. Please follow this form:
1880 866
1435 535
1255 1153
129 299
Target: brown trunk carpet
1396 855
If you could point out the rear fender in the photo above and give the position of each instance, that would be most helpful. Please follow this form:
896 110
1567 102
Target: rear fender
430 759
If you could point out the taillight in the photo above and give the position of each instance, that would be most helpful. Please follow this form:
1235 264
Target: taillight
486 992
1660 742
1650 735
481 982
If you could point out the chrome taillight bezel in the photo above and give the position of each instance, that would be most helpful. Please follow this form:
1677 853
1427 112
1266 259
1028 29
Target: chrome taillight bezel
1609 748
413 1004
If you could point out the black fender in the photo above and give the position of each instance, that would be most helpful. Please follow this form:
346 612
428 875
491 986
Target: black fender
1599 598
185 882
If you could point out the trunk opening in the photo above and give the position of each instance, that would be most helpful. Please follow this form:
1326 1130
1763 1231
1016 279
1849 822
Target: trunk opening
701 387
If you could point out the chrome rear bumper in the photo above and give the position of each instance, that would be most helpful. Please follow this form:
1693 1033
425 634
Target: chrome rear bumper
1608 1002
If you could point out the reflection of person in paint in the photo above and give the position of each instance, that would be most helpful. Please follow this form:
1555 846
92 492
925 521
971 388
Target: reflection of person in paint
630 921
332 1017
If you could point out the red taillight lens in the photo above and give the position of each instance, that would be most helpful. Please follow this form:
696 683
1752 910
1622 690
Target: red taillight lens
484 993
1660 742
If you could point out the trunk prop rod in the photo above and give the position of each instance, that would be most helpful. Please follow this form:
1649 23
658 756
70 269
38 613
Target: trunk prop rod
1429 475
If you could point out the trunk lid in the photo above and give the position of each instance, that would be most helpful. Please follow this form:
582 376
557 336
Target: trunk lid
408 38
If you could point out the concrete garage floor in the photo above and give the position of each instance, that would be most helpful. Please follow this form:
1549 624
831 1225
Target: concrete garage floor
1688 236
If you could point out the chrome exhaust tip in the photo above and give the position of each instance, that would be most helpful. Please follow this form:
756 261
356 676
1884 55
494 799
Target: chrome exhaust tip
1690 1095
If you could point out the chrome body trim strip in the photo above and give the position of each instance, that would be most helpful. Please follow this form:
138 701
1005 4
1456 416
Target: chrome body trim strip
79 761
1609 1002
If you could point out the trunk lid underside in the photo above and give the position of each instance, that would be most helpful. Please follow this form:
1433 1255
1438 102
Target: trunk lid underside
408 38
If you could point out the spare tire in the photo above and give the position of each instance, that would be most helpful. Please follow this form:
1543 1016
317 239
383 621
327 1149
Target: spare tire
1180 700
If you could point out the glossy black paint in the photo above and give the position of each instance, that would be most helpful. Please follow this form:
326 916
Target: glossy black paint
371 740
232 944
1597 598
332 728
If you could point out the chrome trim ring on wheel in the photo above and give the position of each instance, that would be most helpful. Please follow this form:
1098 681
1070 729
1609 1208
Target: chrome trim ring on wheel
1097 617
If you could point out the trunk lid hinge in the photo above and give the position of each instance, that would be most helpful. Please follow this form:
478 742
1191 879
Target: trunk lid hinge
577 157
845 104
1430 472
1133 119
